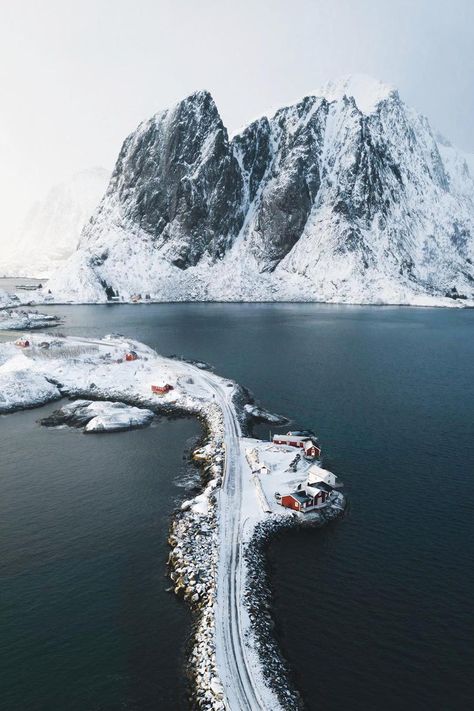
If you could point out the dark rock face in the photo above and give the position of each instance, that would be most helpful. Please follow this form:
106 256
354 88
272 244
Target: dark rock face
254 150
321 190
177 179
293 181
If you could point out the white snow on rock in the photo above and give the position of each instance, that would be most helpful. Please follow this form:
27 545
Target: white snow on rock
8 301
20 319
21 386
366 91
261 414
101 416
345 197
116 418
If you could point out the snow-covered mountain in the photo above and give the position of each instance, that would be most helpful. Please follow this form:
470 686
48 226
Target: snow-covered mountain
346 196
51 230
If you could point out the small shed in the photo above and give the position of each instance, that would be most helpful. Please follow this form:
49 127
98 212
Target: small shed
131 355
316 474
319 492
309 445
22 343
311 450
161 389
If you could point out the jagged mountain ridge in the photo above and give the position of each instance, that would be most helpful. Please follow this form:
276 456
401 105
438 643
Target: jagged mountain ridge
345 196
52 227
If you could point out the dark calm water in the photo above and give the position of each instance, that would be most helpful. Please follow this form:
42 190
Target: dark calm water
374 612
86 622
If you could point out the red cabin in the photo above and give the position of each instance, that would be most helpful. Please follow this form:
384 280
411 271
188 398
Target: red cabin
161 389
131 356
22 343
312 450
302 501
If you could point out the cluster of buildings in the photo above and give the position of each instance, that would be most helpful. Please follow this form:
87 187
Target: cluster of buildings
302 439
314 493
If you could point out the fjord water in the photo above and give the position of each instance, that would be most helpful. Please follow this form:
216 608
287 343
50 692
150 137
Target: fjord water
372 612
86 622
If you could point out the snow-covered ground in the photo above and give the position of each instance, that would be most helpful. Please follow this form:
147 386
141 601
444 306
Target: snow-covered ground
212 535
100 416
24 319
7 300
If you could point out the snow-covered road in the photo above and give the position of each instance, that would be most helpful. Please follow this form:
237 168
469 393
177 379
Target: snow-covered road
234 668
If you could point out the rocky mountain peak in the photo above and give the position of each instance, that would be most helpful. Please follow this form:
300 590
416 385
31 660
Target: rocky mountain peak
343 196
366 91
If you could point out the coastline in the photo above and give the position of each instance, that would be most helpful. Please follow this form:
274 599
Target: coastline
196 543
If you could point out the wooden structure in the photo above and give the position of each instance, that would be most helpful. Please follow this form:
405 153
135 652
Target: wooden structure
161 389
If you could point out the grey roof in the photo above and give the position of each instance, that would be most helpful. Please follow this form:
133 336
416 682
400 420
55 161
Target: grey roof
322 485
300 496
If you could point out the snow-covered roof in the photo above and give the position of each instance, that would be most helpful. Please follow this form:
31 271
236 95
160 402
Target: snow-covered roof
299 496
317 473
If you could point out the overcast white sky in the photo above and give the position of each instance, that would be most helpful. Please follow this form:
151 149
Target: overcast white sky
78 75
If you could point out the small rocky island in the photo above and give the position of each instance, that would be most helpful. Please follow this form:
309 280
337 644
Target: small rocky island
99 416
15 315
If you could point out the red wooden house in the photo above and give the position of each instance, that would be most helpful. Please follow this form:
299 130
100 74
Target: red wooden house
311 448
304 501
161 389
131 356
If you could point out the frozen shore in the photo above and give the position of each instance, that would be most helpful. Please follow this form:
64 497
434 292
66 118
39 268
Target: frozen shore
421 300
99 416
379 295
25 320
214 535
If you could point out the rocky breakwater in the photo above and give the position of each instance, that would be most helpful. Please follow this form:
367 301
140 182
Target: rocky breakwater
193 564
257 598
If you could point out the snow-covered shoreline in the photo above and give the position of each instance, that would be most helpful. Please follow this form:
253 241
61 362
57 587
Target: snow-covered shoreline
213 535
43 297
411 301
22 320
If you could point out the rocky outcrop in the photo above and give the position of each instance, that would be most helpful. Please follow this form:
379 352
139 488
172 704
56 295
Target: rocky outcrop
20 319
193 567
99 416
258 602
177 184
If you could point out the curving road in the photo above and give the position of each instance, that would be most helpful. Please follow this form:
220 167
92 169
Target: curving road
235 672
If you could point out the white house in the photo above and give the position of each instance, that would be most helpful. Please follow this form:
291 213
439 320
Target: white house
316 474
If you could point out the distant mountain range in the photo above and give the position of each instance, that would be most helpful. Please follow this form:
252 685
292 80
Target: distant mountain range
52 227
346 196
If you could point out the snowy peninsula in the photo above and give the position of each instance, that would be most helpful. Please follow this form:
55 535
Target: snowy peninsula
250 488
